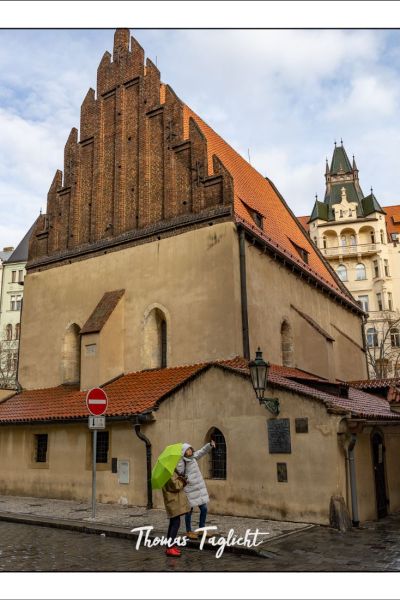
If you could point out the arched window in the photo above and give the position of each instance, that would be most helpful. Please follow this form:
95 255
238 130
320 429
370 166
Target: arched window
17 331
372 234
218 454
343 241
342 272
360 272
372 337
287 346
155 340
324 241
71 355
9 332
352 240
395 337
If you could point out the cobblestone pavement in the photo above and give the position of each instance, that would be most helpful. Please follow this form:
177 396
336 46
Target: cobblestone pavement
375 547
134 516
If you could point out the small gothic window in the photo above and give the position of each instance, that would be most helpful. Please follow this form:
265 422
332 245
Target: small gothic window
360 272
163 327
218 455
155 340
342 272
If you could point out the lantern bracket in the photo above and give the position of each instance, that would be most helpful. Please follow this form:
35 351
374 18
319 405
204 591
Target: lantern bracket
271 404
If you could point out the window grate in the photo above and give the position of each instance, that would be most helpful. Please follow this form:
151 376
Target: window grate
218 456
41 447
102 447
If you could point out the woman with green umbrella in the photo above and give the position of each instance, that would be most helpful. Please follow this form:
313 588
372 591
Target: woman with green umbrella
165 476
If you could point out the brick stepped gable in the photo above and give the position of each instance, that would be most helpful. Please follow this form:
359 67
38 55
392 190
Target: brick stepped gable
132 167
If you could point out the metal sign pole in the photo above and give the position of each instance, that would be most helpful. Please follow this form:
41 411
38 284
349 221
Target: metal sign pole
94 474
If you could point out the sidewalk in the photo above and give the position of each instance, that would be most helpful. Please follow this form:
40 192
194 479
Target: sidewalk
118 520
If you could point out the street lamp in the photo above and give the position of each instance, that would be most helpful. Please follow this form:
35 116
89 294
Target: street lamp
259 370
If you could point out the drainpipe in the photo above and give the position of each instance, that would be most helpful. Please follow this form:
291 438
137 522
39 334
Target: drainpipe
353 483
243 294
19 386
146 440
364 340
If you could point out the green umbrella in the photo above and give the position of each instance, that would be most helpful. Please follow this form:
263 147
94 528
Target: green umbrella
165 465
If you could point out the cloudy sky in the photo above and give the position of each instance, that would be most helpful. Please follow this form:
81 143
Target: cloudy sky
282 96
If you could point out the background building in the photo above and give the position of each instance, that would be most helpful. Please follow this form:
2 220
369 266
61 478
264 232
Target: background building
13 275
360 240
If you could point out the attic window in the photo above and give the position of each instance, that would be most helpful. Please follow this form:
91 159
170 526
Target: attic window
257 218
301 251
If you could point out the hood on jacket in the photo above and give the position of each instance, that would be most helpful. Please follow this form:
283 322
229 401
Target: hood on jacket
185 447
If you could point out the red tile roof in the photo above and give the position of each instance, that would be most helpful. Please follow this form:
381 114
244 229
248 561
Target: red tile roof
371 384
143 391
102 312
281 228
392 218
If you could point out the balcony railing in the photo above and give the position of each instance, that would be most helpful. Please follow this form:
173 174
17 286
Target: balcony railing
351 249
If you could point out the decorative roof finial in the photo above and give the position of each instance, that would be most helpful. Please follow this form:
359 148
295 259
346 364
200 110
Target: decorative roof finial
341 141
316 197
40 211
335 143
372 191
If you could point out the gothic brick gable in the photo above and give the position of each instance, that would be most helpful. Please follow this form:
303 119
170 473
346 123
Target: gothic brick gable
133 165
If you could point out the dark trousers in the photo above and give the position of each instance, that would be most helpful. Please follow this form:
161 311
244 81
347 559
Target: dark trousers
202 520
173 528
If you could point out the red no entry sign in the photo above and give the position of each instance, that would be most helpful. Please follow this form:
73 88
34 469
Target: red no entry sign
97 401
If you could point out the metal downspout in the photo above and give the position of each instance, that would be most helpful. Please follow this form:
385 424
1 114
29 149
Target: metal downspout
146 440
243 294
364 339
353 483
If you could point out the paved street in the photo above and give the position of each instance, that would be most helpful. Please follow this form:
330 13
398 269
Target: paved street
376 547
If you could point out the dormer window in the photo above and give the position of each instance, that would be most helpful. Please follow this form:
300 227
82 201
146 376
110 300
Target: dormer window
301 251
257 218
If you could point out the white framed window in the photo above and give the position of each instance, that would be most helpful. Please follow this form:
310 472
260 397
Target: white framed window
342 272
395 337
386 267
360 272
379 300
390 301
364 303
372 337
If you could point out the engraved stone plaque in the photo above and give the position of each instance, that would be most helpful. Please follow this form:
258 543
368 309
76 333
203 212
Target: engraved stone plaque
301 425
279 436
281 469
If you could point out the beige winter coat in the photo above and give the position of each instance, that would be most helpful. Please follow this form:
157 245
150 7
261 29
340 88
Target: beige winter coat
175 499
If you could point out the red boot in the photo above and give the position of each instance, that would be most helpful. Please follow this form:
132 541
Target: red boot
173 551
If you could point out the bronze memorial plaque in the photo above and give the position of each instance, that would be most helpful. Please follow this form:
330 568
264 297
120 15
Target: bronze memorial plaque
279 436
301 425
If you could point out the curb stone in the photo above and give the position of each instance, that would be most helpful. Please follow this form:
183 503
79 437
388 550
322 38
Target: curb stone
123 532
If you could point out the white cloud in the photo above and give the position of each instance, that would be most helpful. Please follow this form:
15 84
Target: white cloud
286 95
